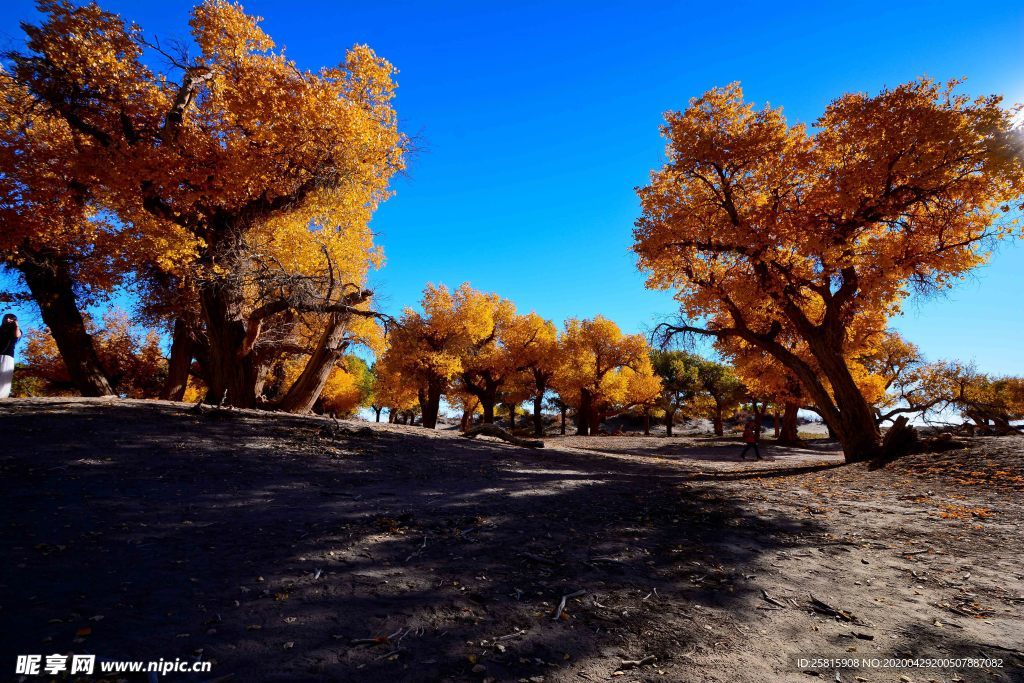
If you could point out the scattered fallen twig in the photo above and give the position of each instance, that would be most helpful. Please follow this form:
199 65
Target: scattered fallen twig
420 550
388 654
561 604
379 640
768 598
825 608
633 663
509 636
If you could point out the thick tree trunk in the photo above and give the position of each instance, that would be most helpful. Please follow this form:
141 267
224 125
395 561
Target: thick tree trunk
596 418
306 389
485 388
583 414
180 362
788 429
50 283
376 412
538 419
430 403
647 421
232 376
855 428
563 410
842 406
718 423
670 417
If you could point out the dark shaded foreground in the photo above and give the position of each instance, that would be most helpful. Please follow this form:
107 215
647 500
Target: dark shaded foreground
284 548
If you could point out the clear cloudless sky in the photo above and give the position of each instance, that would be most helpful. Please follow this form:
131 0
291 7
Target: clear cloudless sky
535 121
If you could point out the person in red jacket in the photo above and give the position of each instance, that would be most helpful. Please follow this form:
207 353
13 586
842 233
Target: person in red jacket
751 435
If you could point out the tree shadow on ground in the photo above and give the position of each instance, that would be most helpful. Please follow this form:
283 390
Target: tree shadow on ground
275 546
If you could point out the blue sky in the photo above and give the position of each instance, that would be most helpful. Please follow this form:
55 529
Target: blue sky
537 119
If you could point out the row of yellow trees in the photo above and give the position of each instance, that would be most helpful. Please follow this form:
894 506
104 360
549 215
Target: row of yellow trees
234 191
477 351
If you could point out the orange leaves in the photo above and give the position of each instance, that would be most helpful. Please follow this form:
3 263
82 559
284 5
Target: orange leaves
803 243
134 362
901 184
223 29
432 346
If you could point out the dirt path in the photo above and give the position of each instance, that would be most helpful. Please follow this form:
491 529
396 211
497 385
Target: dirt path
274 546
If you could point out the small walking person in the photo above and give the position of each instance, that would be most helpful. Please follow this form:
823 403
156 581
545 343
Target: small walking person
751 435
10 333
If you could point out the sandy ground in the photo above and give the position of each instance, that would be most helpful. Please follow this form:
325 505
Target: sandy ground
297 549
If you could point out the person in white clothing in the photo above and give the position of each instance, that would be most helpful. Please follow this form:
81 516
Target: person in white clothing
10 333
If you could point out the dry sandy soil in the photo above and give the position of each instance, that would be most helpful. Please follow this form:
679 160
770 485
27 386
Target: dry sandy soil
298 549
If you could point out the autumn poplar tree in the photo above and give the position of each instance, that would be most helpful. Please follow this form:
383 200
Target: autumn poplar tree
532 344
426 349
680 382
767 230
231 148
487 364
49 231
589 377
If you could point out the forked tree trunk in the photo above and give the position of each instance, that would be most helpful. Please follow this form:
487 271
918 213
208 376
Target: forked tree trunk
50 283
376 412
844 408
430 403
180 363
306 389
485 389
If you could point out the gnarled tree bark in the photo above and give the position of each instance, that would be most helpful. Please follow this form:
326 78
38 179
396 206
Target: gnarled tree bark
49 280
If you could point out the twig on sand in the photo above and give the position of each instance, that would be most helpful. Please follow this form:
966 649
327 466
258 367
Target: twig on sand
509 636
825 608
768 598
561 604
420 550
633 663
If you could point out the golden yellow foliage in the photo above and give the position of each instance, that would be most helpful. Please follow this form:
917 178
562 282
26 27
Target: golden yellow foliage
773 232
